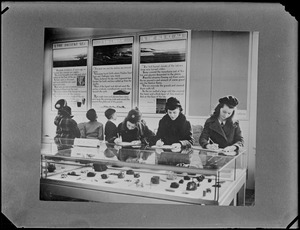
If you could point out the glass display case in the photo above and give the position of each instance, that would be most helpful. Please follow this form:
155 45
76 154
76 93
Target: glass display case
106 172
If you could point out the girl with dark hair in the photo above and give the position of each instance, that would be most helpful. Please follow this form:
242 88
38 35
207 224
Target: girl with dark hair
220 131
110 129
67 129
174 129
134 129
92 129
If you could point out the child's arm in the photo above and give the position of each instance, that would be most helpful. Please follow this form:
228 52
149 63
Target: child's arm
100 134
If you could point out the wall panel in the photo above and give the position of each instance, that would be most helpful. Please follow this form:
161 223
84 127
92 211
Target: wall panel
200 73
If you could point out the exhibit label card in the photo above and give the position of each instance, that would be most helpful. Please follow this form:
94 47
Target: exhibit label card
112 74
162 72
69 74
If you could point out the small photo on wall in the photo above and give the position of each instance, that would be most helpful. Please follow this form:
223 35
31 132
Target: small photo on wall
160 105
80 80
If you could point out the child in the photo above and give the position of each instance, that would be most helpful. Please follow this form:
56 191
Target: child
110 130
174 129
220 130
59 105
67 129
133 129
92 129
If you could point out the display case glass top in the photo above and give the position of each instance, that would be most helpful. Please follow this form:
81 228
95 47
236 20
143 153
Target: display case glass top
188 160
86 169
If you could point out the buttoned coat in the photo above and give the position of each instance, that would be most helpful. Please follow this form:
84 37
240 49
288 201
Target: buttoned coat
140 132
177 131
229 134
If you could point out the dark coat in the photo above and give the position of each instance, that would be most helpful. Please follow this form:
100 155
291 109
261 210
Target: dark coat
229 135
67 128
110 131
66 131
141 132
177 131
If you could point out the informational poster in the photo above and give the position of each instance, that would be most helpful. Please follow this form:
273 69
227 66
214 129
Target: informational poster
162 72
112 74
69 74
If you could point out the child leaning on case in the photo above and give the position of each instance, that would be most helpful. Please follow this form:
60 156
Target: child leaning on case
134 129
174 129
220 130
92 129
110 130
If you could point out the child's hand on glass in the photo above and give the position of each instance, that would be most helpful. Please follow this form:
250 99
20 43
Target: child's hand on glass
118 140
160 143
212 146
230 148
137 142
176 147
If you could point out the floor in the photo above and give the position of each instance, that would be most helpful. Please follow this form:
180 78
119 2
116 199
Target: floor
249 199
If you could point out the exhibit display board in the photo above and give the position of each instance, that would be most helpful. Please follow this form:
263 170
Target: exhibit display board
144 69
112 74
162 70
69 74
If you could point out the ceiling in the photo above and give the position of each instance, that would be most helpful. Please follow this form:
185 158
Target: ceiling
52 34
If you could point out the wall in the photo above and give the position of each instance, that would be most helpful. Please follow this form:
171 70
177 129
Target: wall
219 66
